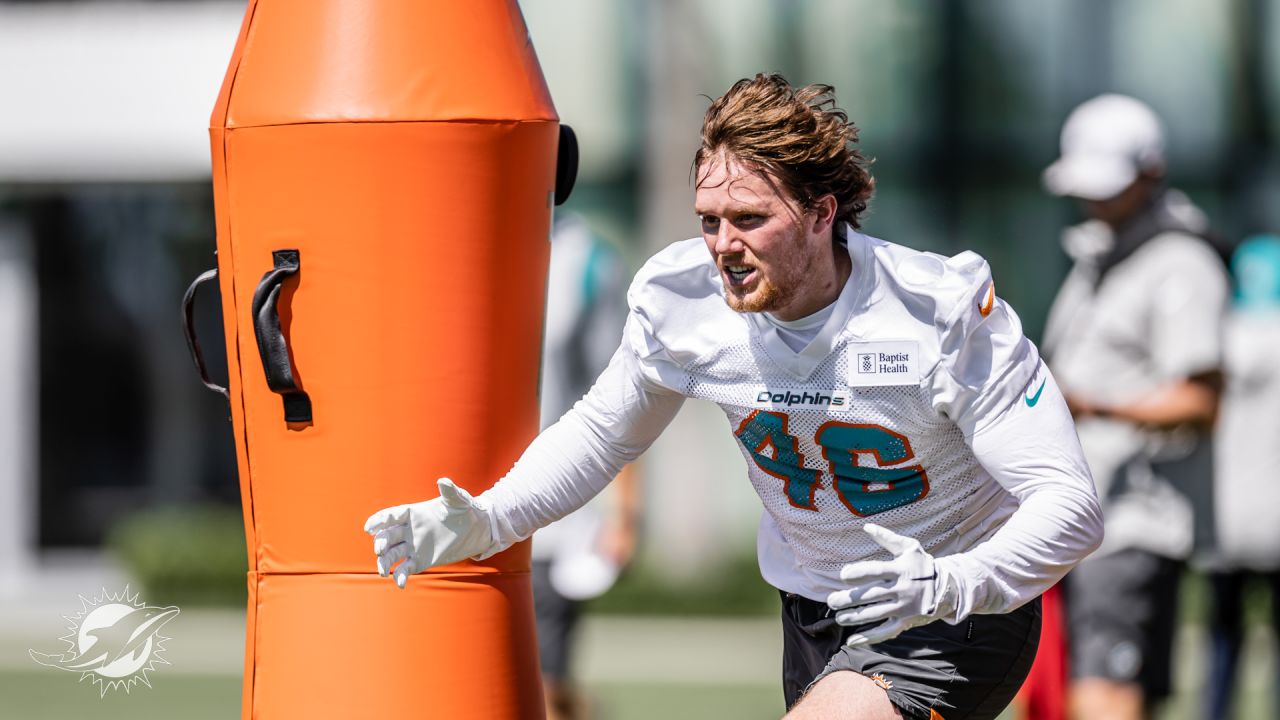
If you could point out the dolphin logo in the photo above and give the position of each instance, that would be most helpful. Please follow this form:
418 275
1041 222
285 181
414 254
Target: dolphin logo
125 637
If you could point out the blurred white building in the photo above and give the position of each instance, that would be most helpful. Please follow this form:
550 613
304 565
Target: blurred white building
96 94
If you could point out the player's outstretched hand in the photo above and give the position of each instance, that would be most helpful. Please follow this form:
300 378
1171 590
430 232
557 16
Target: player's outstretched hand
887 596
439 531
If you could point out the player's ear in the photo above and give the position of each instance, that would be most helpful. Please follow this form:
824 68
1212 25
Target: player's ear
824 213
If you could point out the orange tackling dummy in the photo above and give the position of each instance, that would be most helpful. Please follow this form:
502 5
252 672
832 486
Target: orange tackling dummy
383 175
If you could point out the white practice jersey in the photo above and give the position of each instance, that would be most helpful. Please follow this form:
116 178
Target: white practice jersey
919 405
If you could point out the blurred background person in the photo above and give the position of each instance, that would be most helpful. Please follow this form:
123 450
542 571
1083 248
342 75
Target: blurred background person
1134 336
1247 437
580 556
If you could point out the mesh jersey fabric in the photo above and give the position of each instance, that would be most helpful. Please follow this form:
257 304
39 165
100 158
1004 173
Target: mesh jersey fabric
956 435
690 342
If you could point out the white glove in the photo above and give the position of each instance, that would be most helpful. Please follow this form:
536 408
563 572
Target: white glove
443 530
894 595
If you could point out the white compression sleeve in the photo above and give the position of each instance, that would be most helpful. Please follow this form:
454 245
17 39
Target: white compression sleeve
1033 452
572 460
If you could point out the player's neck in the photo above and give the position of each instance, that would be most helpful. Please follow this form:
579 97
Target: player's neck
828 279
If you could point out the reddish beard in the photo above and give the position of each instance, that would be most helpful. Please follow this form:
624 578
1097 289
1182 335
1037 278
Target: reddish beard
764 298
770 296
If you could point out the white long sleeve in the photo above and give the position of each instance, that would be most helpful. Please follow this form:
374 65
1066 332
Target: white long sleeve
1031 449
572 460
972 451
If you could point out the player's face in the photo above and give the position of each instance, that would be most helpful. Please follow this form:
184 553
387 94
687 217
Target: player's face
772 255
1125 206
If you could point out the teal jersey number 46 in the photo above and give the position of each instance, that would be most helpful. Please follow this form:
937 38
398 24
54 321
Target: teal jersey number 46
863 490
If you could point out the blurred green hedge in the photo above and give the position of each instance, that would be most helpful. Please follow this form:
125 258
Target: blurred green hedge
185 555
733 588
193 556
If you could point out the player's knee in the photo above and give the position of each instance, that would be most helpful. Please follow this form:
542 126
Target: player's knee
845 694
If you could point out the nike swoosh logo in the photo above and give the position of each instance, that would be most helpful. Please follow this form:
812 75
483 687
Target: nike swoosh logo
1033 399
988 301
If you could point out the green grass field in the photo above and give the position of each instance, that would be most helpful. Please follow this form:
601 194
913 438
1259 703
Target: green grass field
49 694
632 668
37 695
55 696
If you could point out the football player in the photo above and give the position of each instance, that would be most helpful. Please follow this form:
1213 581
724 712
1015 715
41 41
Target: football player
919 469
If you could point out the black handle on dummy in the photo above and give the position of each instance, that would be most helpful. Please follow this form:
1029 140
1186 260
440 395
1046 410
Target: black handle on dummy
273 347
189 329
566 164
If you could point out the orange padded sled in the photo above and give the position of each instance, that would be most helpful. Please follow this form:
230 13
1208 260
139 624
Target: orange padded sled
383 175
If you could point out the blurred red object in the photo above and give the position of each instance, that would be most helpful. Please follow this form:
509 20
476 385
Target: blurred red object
1044 694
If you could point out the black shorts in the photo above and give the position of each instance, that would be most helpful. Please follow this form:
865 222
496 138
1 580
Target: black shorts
557 618
1122 610
970 670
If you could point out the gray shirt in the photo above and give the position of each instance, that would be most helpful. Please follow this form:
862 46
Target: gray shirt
1137 312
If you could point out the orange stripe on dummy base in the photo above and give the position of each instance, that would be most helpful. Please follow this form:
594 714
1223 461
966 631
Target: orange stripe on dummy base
407 151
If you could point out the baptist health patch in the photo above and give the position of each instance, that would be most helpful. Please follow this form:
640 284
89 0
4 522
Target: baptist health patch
810 399
885 362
